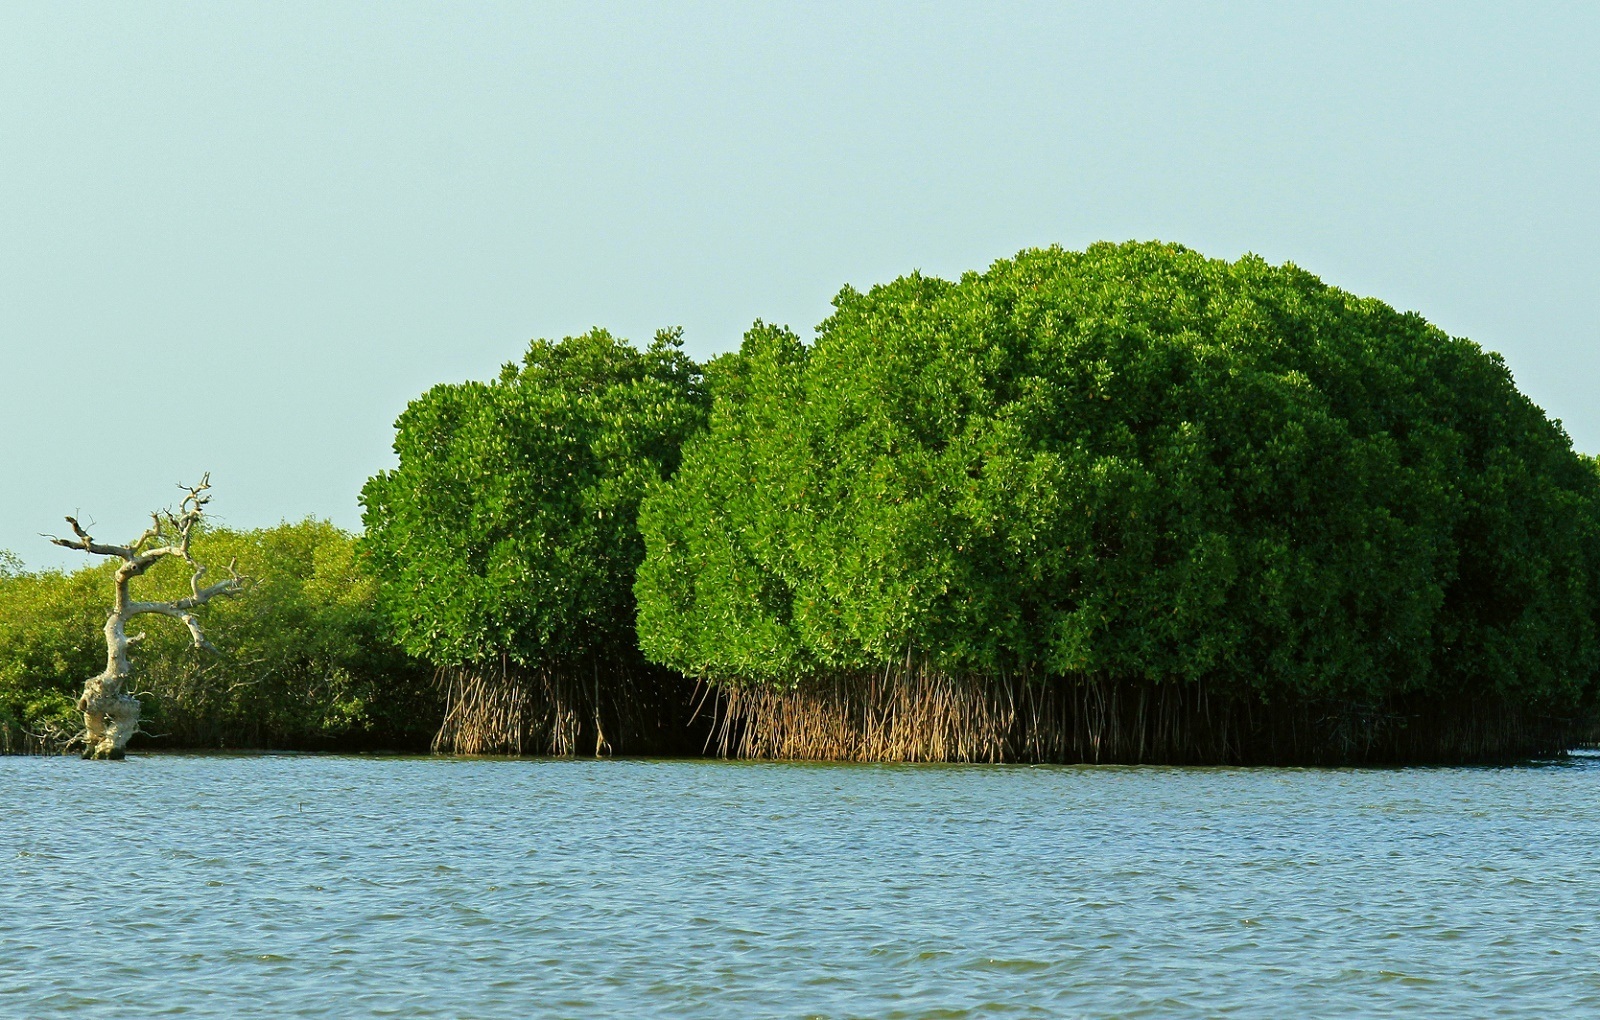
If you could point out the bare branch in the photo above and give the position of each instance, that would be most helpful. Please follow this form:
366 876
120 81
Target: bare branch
151 534
183 609
178 611
86 542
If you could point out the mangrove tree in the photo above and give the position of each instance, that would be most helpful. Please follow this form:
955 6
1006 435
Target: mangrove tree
506 542
1126 504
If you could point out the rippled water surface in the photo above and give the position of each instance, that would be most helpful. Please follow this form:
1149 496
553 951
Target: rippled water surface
330 887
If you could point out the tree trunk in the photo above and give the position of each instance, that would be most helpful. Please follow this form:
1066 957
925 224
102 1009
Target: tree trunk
110 716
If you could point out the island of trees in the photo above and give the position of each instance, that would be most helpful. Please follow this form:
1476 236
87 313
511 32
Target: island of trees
1128 504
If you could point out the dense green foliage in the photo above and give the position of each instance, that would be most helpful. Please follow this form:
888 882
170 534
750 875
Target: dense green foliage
1126 470
1131 462
304 662
49 642
509 527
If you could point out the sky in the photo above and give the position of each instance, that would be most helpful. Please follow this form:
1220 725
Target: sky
238 237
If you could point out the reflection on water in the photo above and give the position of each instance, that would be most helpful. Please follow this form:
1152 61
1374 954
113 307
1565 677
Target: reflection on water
288 886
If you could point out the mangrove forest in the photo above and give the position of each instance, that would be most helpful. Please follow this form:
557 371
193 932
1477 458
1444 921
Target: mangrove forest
1128 504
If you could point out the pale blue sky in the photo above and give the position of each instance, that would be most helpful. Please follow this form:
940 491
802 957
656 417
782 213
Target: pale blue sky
239 237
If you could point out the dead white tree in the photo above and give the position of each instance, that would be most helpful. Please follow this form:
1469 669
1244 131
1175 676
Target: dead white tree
110 713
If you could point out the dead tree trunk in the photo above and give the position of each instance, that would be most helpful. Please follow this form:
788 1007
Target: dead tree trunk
110 713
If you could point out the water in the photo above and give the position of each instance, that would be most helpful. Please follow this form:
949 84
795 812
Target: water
289 886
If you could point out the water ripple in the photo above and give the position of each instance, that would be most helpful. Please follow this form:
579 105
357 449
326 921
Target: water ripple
298 886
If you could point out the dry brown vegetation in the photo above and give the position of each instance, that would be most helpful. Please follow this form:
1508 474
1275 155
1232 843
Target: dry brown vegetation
514 711
914 714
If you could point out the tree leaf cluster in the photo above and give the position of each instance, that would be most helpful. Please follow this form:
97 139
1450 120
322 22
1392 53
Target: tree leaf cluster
509 527
1129 462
